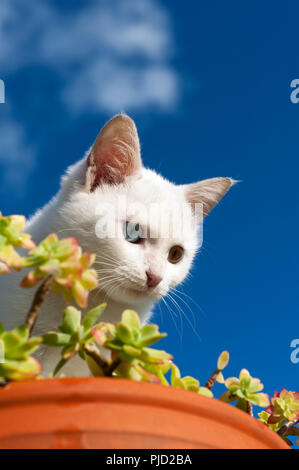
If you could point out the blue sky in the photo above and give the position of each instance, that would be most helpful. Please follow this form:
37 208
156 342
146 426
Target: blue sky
209 88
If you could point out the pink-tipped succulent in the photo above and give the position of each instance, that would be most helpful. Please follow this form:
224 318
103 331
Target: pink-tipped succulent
130 341
11 237
17 347
70 268
284 406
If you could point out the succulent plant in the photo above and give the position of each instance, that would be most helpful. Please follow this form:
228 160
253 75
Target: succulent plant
284 407
65 262
129 341
282 415
217 375
188 382
245 389
11 237
16 346
74 333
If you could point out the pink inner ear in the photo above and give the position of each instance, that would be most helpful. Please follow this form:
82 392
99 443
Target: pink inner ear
115 154
207 192
113 168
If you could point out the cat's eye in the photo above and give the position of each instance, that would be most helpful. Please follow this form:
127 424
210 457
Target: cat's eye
175 254
133 232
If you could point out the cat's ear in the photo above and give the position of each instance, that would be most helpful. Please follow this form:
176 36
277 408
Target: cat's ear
115 154
207 192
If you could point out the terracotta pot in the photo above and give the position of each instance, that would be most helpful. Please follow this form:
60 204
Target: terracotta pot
121 414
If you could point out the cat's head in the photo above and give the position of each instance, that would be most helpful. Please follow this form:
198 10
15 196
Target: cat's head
143 228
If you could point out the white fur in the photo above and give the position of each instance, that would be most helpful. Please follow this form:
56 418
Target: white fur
121 265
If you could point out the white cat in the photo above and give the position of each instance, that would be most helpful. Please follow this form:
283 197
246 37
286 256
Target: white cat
136 268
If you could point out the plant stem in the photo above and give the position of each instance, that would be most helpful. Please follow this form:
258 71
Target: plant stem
107 368
211 381
111 368
249 408
38 300
95 355
285 427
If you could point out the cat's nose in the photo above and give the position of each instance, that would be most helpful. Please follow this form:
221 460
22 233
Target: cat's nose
152 279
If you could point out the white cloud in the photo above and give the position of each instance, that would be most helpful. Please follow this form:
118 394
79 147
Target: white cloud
112 88
110 54
16 156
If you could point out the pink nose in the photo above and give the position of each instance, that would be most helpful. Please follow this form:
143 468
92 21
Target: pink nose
152 279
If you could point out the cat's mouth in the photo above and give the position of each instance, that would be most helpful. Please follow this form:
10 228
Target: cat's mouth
142 292
139 292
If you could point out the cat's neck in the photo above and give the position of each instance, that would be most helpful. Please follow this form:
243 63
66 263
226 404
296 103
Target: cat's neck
115 308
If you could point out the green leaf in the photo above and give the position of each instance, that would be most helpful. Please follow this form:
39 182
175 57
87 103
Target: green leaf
131 351
179 383
25 349
71 320
130 319
20 370
56 339
223 360
155 355
146 375
22 331
92 317
10 340
175 373
191 383
220 378
124 333
59 366
149 335
70 351
244 378
2 329
206 392
158 369
114 346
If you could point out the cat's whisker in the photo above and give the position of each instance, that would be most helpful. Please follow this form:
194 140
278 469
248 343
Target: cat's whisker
161 313
110 280
74 229
102 260
96 263
190 298
173 291
114 287
103 279
178 308
173 315
106 257
105 271
185 316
